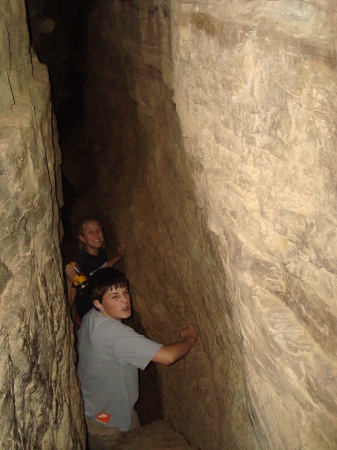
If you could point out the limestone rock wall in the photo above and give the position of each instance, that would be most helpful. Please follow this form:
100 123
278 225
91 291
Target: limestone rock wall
213 128
259 122
40 403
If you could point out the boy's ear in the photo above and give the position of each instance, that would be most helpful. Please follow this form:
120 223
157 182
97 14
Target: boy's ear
97 304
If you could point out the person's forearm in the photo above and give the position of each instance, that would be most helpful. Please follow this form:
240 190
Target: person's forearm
114 260
169 354
71 293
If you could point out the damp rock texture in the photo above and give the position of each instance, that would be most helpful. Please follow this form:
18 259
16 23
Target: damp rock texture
40 403
213 130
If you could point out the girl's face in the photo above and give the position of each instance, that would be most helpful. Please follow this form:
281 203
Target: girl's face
92 237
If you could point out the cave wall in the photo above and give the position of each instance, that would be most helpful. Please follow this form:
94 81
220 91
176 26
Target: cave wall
40 403
213 128
260 118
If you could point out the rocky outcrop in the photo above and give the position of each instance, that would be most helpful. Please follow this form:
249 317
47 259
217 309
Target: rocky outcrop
212 125
40 403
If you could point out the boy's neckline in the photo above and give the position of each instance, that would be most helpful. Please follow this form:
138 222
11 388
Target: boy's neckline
104 314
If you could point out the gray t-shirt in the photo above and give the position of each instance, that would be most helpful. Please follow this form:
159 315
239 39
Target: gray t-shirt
110 354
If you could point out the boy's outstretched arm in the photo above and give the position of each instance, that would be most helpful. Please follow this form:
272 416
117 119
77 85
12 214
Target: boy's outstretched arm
169 354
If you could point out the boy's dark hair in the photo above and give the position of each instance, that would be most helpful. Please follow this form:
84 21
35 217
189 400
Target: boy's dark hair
104 279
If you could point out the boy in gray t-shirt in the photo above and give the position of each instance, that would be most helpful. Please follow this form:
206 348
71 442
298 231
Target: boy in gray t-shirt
110 354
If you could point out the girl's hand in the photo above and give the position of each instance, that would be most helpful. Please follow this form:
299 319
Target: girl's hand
70 274
121 248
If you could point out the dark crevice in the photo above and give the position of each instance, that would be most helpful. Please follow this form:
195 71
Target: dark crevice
61 45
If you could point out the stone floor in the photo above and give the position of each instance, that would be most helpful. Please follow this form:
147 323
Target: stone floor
158 435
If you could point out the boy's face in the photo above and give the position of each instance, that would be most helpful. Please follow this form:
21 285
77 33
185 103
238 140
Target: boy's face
92 235
115 304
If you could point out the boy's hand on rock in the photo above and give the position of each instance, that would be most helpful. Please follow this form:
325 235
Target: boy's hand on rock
188 333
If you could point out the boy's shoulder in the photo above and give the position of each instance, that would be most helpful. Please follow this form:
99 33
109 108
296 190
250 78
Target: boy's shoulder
95 322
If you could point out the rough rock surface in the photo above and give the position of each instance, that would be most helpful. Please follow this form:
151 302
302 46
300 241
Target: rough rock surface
213 129
40 403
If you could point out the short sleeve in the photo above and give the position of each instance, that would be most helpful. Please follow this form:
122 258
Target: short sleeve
133 348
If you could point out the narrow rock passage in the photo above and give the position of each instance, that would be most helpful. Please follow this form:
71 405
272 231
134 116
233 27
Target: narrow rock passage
203 134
